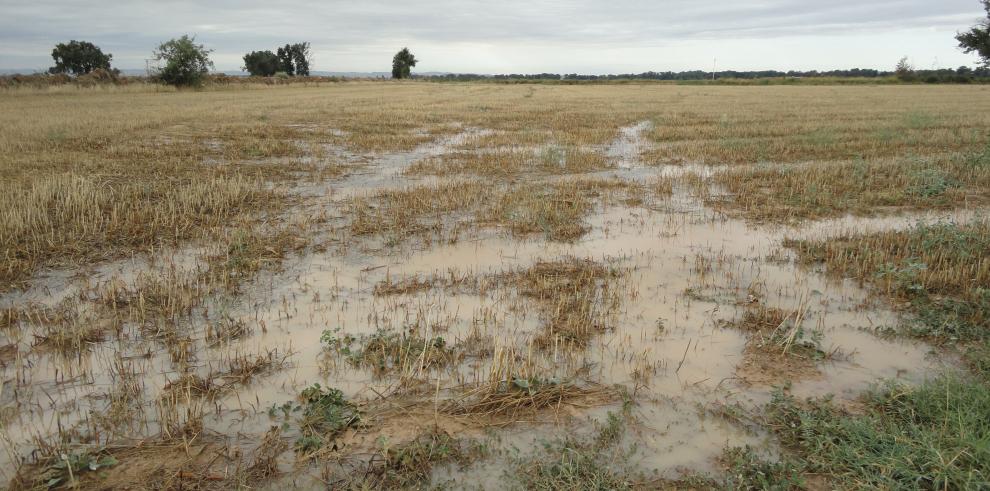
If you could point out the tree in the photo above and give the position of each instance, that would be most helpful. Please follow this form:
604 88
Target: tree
79 57
302 56
978 38
294 59
186 63
285 61
402 63
261 63
904 70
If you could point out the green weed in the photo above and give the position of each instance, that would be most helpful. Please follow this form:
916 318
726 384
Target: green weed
746 470
325 413
936 436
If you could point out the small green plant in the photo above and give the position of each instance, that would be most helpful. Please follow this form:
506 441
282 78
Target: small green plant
919 120
553 156
67 467
906 278
592 462
611 432
931 183
332 340
410 465
325 413
386 350
532 385
747 470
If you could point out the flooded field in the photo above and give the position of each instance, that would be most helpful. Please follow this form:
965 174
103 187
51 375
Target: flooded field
476 286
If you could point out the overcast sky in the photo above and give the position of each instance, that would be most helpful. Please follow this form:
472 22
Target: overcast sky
517 36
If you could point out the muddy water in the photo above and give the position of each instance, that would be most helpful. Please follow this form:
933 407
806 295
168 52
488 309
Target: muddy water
688 271
625 150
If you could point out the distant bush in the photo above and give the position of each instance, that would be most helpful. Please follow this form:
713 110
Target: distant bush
261 63
97 77
904 70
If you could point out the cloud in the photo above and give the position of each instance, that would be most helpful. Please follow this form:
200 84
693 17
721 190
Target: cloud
555 33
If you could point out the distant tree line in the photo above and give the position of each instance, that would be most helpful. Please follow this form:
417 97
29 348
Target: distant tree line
946 75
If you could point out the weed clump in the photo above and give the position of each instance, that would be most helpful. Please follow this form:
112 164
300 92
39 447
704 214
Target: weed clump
66 469
929 437
744 469
595 461
411 464
325 414
387 351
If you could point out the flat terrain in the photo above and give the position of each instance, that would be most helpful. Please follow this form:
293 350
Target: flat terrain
416 285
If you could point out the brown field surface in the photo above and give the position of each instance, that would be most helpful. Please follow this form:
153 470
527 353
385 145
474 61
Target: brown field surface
366 285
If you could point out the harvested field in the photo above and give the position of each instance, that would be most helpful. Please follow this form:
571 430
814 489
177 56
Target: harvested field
406 285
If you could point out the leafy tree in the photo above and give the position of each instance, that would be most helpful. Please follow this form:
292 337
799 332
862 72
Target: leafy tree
186 63
79 57
302 56
294 59
261 63
978 38
402 63
285 64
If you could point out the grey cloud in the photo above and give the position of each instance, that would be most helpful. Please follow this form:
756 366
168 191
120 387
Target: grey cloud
131 29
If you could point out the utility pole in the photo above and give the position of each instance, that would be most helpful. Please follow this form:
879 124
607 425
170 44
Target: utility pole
714 67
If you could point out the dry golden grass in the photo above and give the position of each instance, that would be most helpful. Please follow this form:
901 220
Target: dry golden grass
786 192
575 297
940 271
726 125
65 218
952 258
556 211
130 167
512 161
397 214
513 386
